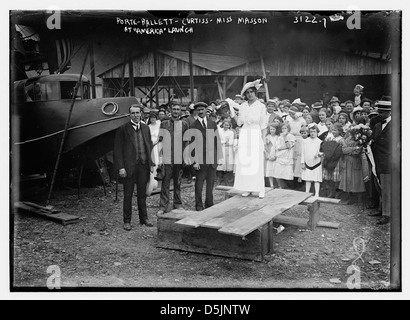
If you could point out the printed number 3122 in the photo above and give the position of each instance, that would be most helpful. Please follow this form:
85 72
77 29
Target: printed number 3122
308 19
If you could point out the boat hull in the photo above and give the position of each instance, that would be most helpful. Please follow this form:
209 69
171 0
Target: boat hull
38 128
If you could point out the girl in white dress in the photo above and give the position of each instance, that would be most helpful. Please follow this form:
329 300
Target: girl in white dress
311 160
225 168
284 148
249 175
270 155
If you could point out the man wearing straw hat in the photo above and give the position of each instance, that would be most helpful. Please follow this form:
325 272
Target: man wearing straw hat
381 148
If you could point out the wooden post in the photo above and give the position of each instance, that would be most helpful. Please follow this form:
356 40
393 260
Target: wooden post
191 71
314 215
156 79
245 77
131 73
92 67
396 231
264 76
122 91
80 174
224 88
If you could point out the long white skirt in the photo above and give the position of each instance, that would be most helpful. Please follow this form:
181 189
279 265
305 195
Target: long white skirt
249 171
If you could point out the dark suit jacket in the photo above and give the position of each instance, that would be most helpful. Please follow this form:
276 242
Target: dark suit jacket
381 148
168 154
217 147
125 149
190 120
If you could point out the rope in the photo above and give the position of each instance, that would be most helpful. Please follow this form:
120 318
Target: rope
70 129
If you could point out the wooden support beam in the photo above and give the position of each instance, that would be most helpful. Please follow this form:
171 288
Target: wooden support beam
264 76
45 212
131 72
231 83
92 67
303 222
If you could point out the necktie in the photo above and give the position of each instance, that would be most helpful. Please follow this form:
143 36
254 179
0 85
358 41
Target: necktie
203 123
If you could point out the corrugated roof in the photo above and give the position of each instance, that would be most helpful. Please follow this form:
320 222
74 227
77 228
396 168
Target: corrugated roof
212 62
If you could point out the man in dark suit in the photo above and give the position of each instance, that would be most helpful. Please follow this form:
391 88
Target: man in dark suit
381 148
208 154
132 152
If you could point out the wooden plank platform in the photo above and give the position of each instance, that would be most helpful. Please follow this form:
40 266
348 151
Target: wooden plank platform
47 212
240 227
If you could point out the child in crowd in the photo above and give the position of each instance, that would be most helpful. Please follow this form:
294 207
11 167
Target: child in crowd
311 160
322 124
329 124
225 169
332 153
304 132
284 148
270 156
344 120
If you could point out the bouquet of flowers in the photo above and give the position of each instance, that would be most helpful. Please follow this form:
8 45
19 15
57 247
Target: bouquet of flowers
361 133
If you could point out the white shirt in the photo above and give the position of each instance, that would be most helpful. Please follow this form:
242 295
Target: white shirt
385 122
203 121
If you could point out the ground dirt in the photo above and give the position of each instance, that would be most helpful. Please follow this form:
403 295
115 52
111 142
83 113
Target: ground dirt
97 253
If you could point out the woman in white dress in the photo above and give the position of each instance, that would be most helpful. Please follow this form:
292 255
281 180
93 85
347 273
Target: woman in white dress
154 125
249 175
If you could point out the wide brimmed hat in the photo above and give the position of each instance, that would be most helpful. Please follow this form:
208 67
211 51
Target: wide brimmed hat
254 84
357 109
298 102
384 105
238 96
359 86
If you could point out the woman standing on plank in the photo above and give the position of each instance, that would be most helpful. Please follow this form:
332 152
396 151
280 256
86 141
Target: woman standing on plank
249 175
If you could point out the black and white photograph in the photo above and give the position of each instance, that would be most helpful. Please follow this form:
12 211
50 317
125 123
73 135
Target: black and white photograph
205 151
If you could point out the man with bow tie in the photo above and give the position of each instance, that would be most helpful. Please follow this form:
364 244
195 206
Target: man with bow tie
381 148
132 154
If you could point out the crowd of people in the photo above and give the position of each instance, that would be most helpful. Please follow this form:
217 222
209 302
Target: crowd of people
335 149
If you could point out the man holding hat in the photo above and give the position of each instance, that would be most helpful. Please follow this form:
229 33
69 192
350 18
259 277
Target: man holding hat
132 154
208 154
381 148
